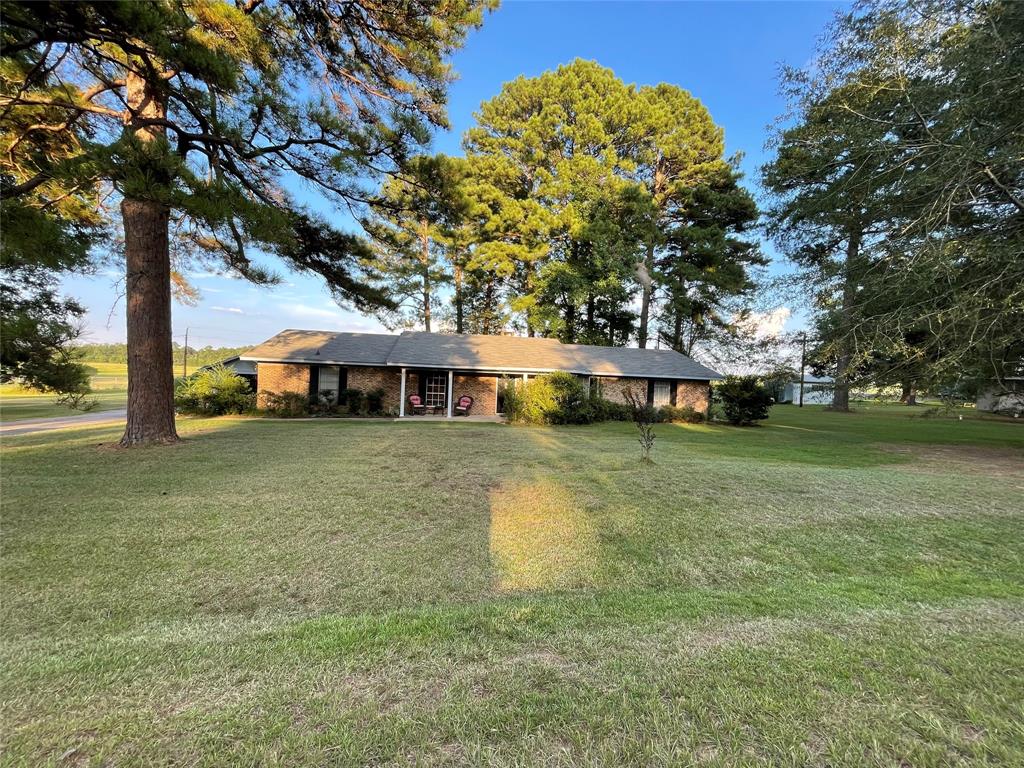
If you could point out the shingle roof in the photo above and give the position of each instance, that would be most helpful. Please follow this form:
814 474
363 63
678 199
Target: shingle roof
517 353
631 361
324 347
413 349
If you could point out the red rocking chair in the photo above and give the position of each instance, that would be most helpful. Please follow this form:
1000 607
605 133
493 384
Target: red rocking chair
416 405
462 407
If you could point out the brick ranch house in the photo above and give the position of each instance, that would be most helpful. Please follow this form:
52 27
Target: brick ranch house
440 368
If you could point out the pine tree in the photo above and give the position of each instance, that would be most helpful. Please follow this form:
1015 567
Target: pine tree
679 150
705 267
415 227
544 152
200 113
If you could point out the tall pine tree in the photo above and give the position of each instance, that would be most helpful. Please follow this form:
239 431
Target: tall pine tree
200 112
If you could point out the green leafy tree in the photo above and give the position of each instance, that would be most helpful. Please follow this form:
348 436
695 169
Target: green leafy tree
744 399
900 190
200 113
582 187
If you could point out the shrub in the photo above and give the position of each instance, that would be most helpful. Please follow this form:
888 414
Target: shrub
375 401
555 398
607 410
285 405
213 391
571 400
644 417
351 400
743 399
684 414
528 402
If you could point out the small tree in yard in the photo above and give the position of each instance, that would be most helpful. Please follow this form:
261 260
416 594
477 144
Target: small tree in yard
743 399
644 417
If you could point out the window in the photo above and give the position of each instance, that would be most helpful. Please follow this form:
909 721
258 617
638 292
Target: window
330 380
437 390
662 393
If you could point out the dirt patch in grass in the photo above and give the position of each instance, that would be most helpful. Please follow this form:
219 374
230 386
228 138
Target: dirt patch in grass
962 459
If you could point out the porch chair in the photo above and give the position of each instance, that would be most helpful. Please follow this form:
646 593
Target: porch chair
462 407
416 405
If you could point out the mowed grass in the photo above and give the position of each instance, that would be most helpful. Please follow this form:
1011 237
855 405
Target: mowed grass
109 382
824 590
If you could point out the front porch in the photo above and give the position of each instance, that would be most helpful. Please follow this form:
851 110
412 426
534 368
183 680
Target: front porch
457 419
438 391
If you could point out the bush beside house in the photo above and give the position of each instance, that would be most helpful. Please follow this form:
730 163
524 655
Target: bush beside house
349 402
743 399
562 398
213 391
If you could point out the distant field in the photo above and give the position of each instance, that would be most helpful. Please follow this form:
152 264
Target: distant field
110 390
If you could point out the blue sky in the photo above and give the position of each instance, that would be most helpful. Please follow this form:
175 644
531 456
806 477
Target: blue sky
727 54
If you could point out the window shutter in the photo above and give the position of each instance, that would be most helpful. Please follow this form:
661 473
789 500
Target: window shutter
421 385
674 386
650 391
314 383
342 379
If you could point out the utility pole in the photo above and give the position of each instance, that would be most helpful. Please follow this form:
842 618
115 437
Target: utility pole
803 364
184 358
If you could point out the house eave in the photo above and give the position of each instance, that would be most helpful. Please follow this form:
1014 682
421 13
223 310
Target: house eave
482 369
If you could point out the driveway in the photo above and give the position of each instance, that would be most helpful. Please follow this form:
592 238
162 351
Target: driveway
31 426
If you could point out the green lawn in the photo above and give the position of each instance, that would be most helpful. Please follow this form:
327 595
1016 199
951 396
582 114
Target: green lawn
824 590
109 382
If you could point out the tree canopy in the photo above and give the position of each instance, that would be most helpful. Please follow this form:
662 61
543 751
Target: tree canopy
198 115
578 184
899 189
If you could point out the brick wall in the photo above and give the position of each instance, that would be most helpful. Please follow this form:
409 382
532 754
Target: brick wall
615 389
281 377
483 390
693 394
387 379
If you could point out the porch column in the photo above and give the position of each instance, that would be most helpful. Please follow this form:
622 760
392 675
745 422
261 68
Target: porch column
401 396
451 383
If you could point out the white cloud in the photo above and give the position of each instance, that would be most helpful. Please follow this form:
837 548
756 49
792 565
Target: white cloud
233 310
768 325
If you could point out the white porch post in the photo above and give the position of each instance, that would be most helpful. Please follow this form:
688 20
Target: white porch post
401 395
451 382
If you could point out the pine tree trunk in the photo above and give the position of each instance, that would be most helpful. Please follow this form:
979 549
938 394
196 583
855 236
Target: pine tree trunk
841 394
148 293
459 310
643 272
569 334
425 259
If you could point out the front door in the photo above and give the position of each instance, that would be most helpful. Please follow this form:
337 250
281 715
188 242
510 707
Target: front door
436 391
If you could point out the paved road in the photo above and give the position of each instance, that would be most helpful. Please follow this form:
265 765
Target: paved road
30 426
